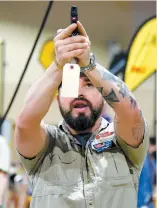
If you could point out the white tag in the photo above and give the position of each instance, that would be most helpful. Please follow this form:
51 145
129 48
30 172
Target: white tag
70 80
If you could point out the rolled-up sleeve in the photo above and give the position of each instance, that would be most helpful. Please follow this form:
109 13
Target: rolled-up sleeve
136 155
32 165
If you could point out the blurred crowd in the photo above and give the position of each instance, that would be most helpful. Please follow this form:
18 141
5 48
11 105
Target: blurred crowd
147 191
15 191
18 190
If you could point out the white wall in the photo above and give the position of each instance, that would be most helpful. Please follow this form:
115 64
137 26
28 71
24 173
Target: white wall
19 24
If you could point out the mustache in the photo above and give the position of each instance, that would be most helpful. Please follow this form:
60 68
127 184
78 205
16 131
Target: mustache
81 99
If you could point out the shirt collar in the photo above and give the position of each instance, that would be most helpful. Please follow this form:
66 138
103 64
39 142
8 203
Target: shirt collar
104 124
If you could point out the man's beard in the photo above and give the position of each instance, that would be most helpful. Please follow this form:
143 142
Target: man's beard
82 122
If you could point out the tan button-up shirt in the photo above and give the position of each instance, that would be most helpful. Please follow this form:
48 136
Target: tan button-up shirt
67 175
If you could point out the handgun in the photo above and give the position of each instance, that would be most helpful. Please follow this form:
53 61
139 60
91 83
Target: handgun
74 19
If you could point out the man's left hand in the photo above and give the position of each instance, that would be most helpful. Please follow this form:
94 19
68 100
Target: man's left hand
84 58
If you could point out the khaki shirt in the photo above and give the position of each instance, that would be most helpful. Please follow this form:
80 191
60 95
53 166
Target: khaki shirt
65 175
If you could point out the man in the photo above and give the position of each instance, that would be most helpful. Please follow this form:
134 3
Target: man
4 169
85 162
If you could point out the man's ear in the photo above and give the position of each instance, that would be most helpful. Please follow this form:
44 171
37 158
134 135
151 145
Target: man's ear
57 96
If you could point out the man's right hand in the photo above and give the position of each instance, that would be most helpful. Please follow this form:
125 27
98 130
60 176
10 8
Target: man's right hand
66 47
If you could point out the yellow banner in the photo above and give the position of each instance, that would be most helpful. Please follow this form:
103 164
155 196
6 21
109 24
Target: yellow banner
47 54
142 57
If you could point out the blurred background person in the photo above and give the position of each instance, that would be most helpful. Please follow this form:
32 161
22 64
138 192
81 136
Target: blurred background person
18 187
4 169
152 147
152 152
147 181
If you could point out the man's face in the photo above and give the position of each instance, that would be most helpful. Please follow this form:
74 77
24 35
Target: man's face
81 113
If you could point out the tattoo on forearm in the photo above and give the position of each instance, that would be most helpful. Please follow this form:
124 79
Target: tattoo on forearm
138 130
123 90
141 114
133 102
100 89
109 76
139 118
111 98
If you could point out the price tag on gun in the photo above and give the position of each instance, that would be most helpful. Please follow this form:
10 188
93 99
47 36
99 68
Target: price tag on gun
70 80
71 71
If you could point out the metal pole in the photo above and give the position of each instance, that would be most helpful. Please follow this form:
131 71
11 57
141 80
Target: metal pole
28 61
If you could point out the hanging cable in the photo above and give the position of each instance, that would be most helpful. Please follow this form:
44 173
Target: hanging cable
28 61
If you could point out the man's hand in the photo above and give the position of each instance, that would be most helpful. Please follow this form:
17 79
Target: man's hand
84 58
67 48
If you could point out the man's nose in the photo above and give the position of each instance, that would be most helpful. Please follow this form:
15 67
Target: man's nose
81 91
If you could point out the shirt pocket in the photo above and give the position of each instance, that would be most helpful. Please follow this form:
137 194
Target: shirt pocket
63 168
112 167
59 175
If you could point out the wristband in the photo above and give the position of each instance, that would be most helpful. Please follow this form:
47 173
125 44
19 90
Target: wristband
57 64
91 65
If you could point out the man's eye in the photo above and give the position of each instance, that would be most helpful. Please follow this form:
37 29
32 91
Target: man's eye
89 85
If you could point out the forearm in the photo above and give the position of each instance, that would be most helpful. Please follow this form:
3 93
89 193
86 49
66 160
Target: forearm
40 95
129 122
